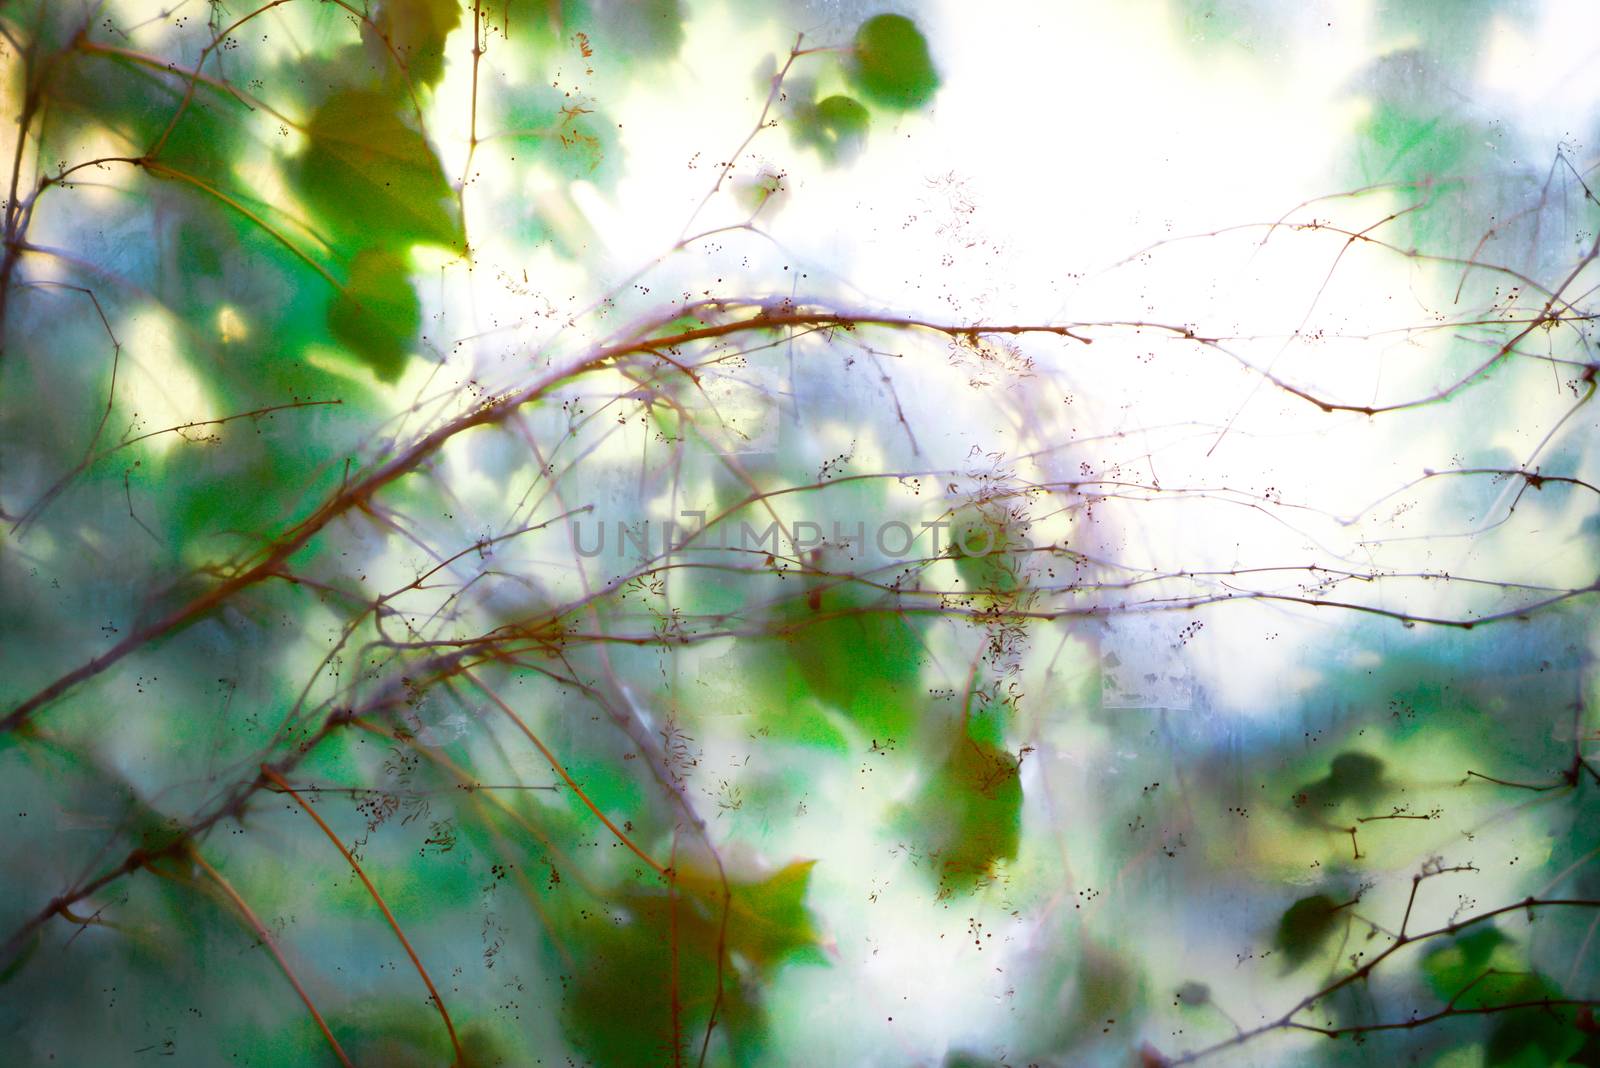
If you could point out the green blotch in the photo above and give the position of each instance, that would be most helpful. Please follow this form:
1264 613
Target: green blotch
1107 989
1587 1055
89 94
613 30
563 135
987 723
1205 22
890 64
1411 145
1410 141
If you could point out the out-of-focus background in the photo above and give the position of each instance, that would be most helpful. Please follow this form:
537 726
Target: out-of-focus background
798 533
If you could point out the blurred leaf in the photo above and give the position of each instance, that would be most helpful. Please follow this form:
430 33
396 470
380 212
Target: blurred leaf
141 107
661 951
1451 34
646 28
891 65
988 720
1352 776
372 177
1532 1037
764 189
1305 926
416 30
1414 146
378 313
960 1058
1418 133
836 127
968 814
1449 968
767 918
1106 990
1587 1055
850 650
404 1035
983 541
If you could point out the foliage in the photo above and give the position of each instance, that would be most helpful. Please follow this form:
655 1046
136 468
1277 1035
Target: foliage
884 723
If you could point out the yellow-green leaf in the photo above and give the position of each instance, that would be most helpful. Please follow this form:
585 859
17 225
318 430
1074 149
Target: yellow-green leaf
371 176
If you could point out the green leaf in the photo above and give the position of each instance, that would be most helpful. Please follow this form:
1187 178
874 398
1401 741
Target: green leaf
891 65
1304 928
90 94
373 178
1476 971
377 315
1355 775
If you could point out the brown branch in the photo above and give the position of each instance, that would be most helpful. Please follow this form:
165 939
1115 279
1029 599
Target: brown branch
394 924
272 947
572 784
1448 1011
